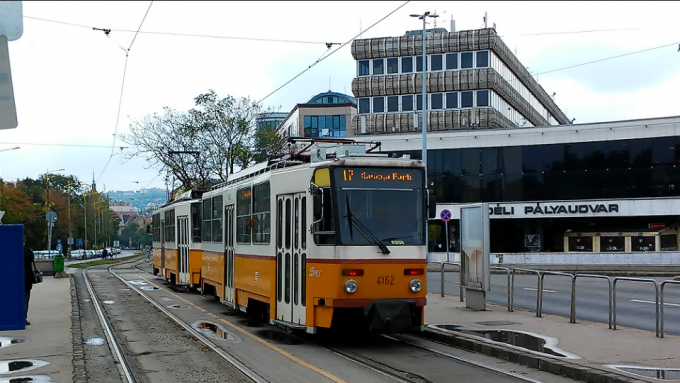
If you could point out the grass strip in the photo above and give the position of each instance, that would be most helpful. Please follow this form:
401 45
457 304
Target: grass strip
101 262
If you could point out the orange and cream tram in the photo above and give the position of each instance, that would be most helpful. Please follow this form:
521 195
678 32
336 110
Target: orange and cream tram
177 240
328 242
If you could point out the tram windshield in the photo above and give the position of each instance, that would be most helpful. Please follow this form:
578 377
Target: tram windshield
380 207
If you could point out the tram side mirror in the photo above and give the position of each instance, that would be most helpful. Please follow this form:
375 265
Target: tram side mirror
431 204
317 198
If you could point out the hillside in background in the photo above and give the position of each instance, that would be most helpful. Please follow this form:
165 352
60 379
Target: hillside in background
139 198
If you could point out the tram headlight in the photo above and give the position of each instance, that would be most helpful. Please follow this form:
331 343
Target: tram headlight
351 286
415 285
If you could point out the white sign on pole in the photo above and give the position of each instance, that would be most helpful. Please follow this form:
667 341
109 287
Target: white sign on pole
8 111
11 19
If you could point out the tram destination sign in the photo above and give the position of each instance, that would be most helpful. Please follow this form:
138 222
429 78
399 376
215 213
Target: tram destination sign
379 177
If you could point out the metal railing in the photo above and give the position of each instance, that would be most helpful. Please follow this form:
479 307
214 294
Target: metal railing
572 305
663 284
647 280
538 288
507 270
573 289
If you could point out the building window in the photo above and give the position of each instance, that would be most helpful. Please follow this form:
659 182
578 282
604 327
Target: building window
466 100
436 101
581 244
483 59
217 219
378 104
466 60
482 98
452 100
436 62
261 207
407 103
207 219
406 64
393 104
419 63
378 66
392 65
363 68
452 61
364 105
642 243
419 102
243 221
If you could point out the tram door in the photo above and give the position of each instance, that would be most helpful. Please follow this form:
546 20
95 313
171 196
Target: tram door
290 257
229 253
183 248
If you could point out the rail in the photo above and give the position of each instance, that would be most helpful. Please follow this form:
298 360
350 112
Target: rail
572 305
647 280
512 288
663 284
460 276
573 289
507 270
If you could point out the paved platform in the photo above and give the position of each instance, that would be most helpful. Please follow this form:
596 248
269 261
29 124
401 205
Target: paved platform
595 344
49 337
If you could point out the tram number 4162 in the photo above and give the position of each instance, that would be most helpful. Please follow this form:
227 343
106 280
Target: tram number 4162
386 280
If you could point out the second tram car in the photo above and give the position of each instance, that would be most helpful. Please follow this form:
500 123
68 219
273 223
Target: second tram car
177 240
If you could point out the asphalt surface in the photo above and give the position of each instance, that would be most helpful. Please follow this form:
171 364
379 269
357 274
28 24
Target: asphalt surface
635 301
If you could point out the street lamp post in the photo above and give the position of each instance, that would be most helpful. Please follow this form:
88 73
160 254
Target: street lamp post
47 179
424 17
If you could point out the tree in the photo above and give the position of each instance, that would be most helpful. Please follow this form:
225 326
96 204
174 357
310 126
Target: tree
267 141
220 129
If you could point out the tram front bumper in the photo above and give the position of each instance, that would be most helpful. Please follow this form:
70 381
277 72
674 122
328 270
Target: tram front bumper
392 315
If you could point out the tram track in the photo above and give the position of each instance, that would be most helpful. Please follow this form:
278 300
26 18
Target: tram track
388 370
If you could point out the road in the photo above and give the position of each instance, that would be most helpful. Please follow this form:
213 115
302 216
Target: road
123 254
635 301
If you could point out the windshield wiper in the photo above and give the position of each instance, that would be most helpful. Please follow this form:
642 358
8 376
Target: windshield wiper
363 230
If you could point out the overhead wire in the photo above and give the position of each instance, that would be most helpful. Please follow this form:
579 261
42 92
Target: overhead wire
322 58
64 145
589 31
177 34
122 88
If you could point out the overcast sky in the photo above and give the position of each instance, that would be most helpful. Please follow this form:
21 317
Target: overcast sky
67 79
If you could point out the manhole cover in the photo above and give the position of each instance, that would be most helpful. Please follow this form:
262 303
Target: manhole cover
9 342
497 323
95 342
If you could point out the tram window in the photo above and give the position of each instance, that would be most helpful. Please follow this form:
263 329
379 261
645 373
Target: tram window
612 244
196 222
169 226
207 217
287 271
279 224
304 223
243 220
304 279
581 244
296 277
156 227
324 229
217 220
296 242
279 268
261 206
642 243
287 225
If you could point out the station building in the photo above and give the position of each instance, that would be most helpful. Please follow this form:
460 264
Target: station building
327 114
568 193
